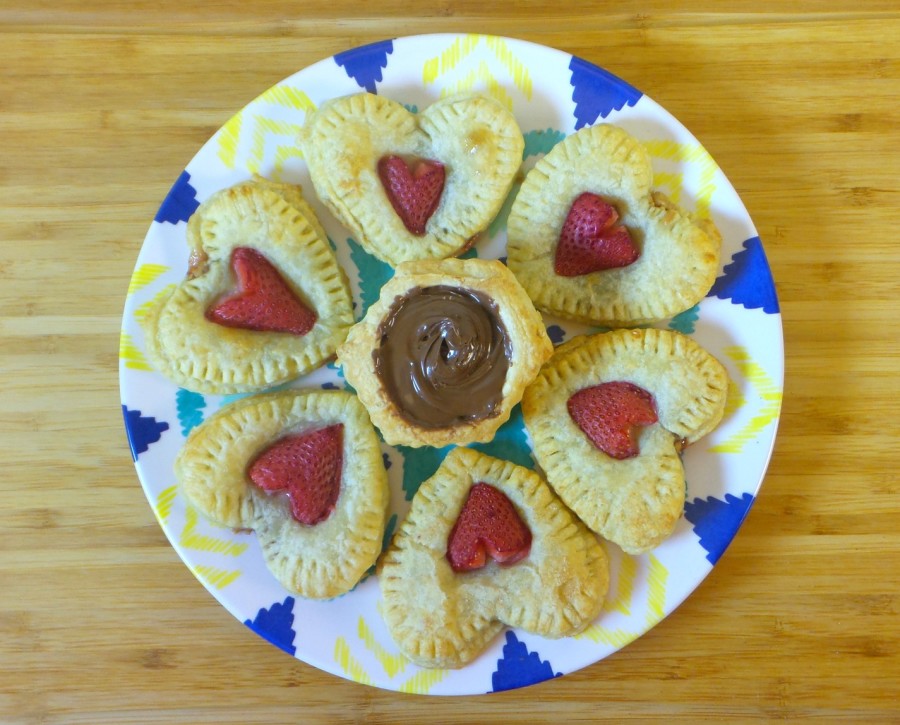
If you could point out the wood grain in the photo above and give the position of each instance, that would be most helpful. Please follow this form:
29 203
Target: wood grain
101 105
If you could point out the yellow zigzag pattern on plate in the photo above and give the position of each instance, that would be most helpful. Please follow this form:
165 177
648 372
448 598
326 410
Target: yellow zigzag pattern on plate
673 180
164 293
218 578
392 664
603 635
421 683
263 129
656 596
164 502
131 354
348 663
656 599
288 97
190 539
624 587
462 48
230 135
765 387
482 73
689 153
144 275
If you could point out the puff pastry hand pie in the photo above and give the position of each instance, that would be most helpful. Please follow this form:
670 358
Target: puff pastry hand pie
264 302
590 241
303 469
413 186
445 596
445 353
609 414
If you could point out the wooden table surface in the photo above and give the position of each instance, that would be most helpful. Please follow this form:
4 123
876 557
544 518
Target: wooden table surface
102 105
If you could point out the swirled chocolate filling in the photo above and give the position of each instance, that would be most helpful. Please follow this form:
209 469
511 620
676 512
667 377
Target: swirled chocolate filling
443 356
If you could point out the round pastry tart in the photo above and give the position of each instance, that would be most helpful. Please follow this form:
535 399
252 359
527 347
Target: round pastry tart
413 185
301 468
609 415
487 544
446 352
264 300
591 241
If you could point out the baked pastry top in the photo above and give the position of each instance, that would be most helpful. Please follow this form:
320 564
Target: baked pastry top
623 254
444 354
264 301
413 186
634 500
269 461
552 583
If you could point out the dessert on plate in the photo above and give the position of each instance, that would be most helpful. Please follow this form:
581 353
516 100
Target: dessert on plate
445 353
301 468
487 544
413 185
591 241
264 300
609 415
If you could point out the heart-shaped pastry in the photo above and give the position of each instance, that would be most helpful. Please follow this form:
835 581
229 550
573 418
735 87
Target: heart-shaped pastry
442 608
413 186
264 302
444 354
609 415
591 241
301 468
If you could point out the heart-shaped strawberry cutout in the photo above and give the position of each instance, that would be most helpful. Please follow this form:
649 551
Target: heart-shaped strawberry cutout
609 415
488 525
414 192
306 466
264 301
590 239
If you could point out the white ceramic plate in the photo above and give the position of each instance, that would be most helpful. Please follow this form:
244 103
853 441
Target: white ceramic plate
551 94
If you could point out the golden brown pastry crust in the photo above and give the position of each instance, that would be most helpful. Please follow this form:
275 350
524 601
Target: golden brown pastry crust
679 252
203 356
530 347
320 561
635 502
440 618
474 136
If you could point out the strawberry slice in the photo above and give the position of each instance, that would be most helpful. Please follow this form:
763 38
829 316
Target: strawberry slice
591 240
609 414
264 301
414 193
306 466
488 525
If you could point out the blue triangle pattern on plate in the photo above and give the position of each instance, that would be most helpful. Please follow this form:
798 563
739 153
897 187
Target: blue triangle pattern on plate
747 280
556 334
364 64
180 203
510 442
276 625
716 521
142 431
685 322
419 464
373 273
540 142
189 406
518 667
597 92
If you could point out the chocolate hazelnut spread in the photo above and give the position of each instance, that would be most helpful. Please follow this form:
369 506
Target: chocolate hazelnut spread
443 356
